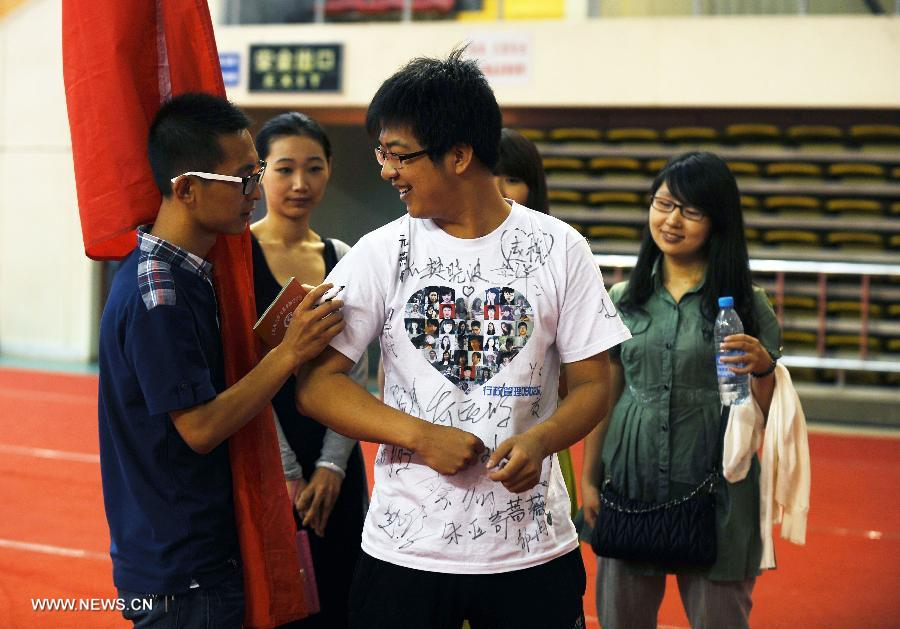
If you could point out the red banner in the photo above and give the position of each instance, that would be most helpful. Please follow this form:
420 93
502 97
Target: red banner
121 60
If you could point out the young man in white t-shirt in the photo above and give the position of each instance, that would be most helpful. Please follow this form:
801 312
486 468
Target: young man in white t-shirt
469 516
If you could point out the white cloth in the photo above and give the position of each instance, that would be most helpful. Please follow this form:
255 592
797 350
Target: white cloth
784 480
743 437
467 523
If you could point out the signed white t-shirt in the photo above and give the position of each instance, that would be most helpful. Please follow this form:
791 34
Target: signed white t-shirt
472 335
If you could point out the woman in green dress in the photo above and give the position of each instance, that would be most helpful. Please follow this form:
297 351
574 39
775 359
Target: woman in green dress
660 438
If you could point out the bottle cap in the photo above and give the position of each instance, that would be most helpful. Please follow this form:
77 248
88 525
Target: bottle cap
726 302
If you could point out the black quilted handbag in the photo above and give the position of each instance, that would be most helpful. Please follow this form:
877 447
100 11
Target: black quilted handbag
680 532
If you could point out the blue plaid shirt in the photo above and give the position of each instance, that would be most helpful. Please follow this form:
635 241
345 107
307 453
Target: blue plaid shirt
155 261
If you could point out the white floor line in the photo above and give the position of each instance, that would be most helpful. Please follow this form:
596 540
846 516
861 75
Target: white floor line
47 549
840 531
45 453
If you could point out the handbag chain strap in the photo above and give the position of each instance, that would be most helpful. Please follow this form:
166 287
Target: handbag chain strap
708 482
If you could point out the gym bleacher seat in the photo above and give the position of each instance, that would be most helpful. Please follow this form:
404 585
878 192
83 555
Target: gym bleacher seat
792 203
535 135
556 195
632 135
855 240
854 206
803 170
690 135
851 308
875 134
752 235
563 165
749 203
614 166
602 198
574 134
814 134
653 166
850 342
792 238
614 232
752 132
799 340
856 170
744 169
798 304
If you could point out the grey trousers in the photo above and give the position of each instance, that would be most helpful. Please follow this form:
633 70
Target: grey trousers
630 601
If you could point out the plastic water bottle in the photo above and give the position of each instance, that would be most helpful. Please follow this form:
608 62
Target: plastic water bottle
733 388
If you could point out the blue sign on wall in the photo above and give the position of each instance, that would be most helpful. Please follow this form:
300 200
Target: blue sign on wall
231 68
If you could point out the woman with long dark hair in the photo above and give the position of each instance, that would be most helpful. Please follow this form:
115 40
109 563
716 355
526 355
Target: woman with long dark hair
324 471
660 438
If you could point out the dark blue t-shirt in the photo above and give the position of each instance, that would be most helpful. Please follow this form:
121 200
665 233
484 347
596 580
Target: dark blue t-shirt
170 510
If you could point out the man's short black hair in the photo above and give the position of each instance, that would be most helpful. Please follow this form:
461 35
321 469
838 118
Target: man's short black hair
184 136
444 102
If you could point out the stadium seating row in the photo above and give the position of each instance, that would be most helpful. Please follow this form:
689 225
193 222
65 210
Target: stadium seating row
738 133
855 170
778 237
773 203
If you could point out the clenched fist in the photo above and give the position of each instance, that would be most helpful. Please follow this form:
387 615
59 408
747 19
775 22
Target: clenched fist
448 450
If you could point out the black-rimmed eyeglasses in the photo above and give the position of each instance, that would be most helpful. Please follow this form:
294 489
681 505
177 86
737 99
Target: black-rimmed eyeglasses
395 160
667 206
249 184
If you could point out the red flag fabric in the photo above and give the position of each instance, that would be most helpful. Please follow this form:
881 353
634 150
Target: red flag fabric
121 60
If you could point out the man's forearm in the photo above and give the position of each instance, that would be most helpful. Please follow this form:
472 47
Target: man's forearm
207 425
577 415
338 402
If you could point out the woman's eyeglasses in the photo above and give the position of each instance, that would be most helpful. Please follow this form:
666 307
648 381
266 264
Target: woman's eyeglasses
667 206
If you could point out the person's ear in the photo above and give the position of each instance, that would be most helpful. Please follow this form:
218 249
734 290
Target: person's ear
462 156
184 189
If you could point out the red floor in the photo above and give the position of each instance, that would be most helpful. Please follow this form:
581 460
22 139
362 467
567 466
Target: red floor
53 537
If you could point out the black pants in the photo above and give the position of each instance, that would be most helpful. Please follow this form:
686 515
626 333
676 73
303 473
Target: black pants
548 596
219 605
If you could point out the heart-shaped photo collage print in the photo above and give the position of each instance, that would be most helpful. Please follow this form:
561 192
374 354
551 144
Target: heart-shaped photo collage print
468 336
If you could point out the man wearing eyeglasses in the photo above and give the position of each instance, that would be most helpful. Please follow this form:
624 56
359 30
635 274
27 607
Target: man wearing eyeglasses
469 516
165 412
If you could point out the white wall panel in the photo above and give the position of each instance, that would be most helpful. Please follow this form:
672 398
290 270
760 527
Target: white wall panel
47 286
